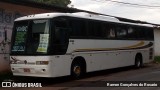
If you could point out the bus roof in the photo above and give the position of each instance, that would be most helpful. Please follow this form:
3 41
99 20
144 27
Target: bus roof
78 15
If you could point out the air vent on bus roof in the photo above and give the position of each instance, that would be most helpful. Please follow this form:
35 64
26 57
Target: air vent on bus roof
96 16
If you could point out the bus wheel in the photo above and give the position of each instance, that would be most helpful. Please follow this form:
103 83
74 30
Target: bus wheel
77 70
138 61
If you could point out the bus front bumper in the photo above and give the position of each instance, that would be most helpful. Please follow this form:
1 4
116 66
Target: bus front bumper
30 70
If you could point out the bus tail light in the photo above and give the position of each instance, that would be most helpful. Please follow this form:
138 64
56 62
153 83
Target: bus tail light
42 62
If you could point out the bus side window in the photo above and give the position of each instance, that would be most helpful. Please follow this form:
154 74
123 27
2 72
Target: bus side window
132 34
121 32
61 22
95 29
61 35
111 33
141 33
78 28
149 34
108 31
61 30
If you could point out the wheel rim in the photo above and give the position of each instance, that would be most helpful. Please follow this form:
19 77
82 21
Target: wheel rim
77 70
138 64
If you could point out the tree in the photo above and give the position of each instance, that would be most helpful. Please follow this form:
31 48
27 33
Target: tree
62 3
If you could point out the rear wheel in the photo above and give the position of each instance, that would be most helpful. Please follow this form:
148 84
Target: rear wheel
138 61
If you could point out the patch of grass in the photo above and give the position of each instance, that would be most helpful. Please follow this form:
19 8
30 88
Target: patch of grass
157 59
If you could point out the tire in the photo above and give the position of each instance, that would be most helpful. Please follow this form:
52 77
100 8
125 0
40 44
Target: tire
138 61
77 70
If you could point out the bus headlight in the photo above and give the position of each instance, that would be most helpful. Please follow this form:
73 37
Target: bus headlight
42 62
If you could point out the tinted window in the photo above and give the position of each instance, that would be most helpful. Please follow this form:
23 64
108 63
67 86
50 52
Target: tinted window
108 31
121 32
95 29
132 33
141 33
149 34
60 22
61 35
78 28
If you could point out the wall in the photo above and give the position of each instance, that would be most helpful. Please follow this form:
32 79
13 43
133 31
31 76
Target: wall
157 42
8 13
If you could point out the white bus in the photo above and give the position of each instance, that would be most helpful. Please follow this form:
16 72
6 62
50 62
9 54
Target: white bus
61 44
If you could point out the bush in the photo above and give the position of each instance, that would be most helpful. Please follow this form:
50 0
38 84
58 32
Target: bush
157 59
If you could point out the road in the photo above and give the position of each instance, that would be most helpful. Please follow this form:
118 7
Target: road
99 80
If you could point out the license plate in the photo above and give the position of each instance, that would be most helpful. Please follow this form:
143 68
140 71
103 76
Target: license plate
26 70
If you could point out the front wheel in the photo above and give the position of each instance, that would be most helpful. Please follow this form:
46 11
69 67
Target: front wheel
77 70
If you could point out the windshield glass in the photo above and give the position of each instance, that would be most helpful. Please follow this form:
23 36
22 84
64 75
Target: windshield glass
30 37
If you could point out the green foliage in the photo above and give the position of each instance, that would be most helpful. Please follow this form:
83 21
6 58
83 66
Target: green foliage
62 3
157 59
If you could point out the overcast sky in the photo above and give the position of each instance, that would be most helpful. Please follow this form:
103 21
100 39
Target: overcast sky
149 14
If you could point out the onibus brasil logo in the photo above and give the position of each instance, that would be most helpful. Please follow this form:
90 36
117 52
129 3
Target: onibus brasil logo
14 84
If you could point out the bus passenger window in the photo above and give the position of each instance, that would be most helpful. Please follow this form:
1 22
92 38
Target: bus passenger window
132 34
111 33
61 23
108 31
78 28
121 33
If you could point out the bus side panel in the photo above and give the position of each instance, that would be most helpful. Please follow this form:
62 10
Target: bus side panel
61 65
107 54
107 60
145 55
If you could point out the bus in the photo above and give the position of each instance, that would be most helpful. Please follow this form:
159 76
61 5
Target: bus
62 44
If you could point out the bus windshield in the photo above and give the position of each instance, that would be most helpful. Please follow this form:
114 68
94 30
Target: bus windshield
30 37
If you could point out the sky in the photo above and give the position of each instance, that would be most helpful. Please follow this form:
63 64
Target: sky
149 14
